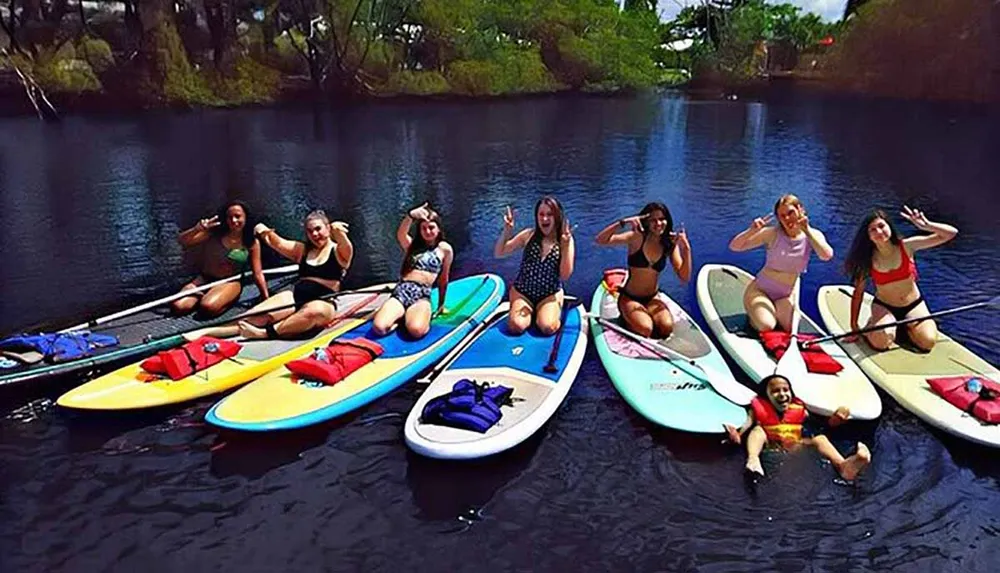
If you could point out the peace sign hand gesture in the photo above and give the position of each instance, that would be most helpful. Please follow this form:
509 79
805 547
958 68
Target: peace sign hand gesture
508 218
421 213
761 222
566 234
210 223
680 238
917 218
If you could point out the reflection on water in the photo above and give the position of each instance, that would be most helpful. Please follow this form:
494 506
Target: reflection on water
90 209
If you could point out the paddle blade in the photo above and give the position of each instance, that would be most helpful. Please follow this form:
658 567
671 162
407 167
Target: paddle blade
791 365
728 387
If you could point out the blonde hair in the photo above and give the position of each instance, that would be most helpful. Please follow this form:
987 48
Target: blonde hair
788 199
317 214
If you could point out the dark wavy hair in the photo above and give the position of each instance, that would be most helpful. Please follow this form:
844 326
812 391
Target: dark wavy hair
247 235
858 264
557 225
666 240
419 245
762 387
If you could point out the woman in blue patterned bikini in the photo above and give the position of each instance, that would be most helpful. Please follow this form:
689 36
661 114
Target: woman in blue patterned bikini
549 254
427 259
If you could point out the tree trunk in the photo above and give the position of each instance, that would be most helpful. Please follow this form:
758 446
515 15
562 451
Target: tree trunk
221 19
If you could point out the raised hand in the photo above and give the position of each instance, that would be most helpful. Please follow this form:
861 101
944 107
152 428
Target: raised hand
259 229
635 222
761 222
680 238
210 223
421 213
804 222
916 217
567 232
339 227
508 218
840 416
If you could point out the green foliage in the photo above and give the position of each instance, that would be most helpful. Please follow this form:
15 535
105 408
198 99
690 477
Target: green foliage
172 78
96 52
424 83
512 71
66 75
250 83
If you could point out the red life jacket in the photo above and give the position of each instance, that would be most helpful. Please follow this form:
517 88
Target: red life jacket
984 405
817 360
194 356
337 361
788 428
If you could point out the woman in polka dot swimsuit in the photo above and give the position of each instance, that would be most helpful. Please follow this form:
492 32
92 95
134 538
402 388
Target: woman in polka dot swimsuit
549 253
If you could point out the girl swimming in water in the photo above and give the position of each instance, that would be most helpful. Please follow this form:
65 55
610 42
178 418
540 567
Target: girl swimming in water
651 240
777 421
228 247
547 261
768 299
427 259
880 253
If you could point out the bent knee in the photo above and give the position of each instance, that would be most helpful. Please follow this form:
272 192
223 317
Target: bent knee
642 329
518 324
549 328
418 330
880 340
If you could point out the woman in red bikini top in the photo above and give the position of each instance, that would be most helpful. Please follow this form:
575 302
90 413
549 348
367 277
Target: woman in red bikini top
880 253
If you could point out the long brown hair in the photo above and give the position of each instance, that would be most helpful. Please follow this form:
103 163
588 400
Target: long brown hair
787 199
557 223
418 244
858 264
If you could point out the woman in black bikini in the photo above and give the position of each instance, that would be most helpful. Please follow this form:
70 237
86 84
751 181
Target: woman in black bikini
549 255
228 246
651 240
877 246
323 263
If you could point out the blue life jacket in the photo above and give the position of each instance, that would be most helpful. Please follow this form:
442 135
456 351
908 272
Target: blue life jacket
469 406
60 346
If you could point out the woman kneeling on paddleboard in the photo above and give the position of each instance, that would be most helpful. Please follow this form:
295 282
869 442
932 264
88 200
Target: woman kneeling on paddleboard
546 263
427 258
228 246
778 420
768 299
877 246
642 311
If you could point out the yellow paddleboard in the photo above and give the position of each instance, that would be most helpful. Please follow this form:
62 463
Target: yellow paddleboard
131 387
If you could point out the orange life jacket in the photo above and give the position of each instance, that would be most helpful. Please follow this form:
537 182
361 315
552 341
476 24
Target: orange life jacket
788 428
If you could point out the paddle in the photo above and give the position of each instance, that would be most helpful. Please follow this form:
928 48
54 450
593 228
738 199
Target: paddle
734 392
173 297
791 365
550 366
993 302
460 348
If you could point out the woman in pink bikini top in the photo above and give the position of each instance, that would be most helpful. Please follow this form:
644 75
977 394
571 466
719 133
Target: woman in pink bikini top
768 299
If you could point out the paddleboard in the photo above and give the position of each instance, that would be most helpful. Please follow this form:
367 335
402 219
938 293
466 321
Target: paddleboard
143 330
720 298
903 373
132 388
280 401
658 388
500 358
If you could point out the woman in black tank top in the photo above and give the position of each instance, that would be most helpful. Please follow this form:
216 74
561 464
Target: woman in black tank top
323 262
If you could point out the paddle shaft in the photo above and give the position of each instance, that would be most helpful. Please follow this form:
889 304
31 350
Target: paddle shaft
550 366
992 302
173 297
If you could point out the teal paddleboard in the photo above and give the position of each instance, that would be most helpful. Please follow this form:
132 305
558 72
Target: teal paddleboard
659 389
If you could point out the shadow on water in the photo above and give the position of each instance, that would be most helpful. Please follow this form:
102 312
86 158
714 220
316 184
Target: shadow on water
450 489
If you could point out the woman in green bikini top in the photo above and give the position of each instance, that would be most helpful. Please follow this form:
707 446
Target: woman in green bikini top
228 248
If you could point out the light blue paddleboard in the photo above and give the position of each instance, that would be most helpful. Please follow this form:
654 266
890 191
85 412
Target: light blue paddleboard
656 387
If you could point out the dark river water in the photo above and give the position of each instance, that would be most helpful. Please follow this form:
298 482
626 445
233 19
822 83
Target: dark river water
90 209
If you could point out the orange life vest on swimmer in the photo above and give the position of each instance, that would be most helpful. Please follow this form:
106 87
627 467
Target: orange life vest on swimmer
788 428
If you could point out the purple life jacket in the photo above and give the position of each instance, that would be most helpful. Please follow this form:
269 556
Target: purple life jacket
469 406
